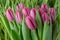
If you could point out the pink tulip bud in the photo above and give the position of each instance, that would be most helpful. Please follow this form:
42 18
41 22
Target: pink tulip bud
17 7
9 15
52 13
31 23
41 11
44 7
45 17
33 13
19 17
21 5
26 11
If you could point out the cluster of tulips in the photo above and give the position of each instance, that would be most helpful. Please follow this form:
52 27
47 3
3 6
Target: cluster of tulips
46 14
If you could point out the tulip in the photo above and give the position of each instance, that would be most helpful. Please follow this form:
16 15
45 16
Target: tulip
44 7
30 22
52 13
41 11
45 17
33 13
21 5
17 7
9 15
19 17
26 11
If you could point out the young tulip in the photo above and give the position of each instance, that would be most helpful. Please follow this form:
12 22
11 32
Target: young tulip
19 17
44 7
9 15
31 23
33 13
41 11
21 5
52 13
45 17
17 7
26 11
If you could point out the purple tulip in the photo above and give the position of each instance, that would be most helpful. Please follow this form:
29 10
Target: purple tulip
33 13
17 7
45 7
52 13
9 15
19 17
26 11
31 23
45 17
41 11
21 5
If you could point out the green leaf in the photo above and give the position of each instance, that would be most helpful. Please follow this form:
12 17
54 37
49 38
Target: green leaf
47 32
34 35
12 33
25 31
39 25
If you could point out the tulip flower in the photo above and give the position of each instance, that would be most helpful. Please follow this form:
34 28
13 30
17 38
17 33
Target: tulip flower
9 15
26 11
21 5
33 13
45 17
44 7
41 11
52 13
31 23
17 7
19 17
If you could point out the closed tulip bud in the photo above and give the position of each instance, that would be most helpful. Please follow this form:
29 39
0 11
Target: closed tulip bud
45 7
41 11
45 17
19 17
17 7
9 15
31 23
33 13
21 5
52 13
26 11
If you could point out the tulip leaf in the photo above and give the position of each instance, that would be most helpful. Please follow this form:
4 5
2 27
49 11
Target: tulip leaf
9 31
39 25
6 25
47 32
25 31
15 35
34 35
58 20
20 31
